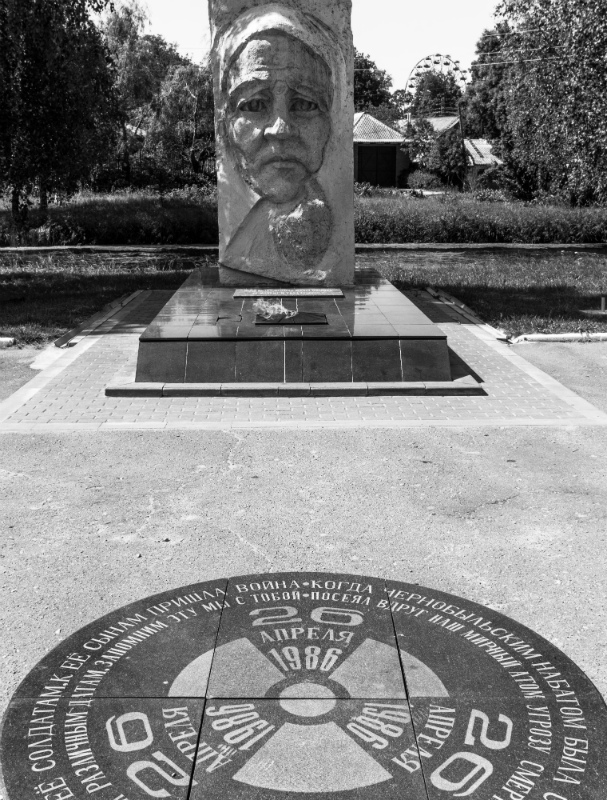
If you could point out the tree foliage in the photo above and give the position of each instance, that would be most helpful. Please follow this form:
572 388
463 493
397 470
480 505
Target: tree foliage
447 159
436 94
372 86
142 63
486 99
441 154
167 136
182 133
421 137
57 99
555 139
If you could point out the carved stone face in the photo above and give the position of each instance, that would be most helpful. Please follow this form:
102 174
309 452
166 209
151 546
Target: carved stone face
278 115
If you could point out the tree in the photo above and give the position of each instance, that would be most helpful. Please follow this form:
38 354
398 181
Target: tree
485 100
441 154
447 159
556 133
142 63
436 94
181 137
371 85
421 138
56 94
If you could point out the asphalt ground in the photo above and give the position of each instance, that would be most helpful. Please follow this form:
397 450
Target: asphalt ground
15 369
514 518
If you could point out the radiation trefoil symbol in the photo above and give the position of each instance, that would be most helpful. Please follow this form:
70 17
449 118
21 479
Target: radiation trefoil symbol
305 734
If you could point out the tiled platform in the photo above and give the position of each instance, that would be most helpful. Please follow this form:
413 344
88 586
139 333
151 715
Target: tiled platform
370 332
69 395
357 688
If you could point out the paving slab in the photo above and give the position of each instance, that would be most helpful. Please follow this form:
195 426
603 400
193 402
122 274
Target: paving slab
82 747
322 631
317 749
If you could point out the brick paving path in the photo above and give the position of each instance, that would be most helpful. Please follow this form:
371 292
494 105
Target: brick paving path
69 395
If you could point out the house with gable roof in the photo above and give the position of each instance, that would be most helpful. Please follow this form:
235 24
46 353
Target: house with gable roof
480 158
479 152
378 155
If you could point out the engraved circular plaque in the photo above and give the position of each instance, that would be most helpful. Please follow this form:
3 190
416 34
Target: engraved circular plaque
305 685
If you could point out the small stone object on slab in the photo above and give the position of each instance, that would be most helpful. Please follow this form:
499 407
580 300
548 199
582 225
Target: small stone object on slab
301 318
280 292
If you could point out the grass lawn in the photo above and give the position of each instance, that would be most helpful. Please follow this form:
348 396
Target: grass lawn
517 292
42 297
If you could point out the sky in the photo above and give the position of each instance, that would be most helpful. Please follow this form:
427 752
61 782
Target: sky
396 34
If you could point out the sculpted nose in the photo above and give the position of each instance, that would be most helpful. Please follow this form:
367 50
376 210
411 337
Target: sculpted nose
279 128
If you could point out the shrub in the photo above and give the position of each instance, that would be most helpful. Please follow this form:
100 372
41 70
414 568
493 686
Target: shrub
369 190
189 216
492 178
122 218
489 196
459 218
364 189
424 180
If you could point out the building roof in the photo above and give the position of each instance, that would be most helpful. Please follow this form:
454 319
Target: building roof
442 124
369 130
480 153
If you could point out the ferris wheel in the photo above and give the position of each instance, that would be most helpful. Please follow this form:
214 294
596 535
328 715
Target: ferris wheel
440 64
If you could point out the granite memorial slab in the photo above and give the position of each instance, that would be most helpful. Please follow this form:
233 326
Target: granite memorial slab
314 685
83 747
314 747
512 745
318 636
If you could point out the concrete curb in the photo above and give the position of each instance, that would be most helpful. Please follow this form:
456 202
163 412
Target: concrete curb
133 249
54 428
568 396
467 313
458 388
90 325
560 337
205 249
21 396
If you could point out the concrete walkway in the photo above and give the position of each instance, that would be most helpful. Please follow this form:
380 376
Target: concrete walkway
507 513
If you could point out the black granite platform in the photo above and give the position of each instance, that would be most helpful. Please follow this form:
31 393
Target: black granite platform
324 686
211 334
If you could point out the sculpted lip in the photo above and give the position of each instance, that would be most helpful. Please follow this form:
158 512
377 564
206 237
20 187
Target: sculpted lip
279 161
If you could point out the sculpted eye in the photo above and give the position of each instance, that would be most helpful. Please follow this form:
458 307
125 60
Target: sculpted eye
254 106
301 104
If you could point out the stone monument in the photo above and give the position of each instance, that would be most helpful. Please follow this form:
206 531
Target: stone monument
286 312
283 82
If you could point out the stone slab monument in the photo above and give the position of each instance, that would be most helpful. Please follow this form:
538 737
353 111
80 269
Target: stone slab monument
286 312
284 100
